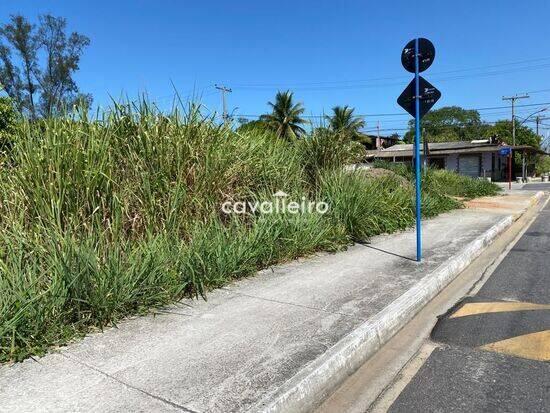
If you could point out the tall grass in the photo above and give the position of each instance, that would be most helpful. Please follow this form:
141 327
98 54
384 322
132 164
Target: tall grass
109 217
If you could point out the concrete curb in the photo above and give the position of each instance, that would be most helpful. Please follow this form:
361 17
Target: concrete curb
537 198
316 381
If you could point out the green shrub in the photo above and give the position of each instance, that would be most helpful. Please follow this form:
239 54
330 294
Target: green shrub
443 182
542 164
450 183
369 205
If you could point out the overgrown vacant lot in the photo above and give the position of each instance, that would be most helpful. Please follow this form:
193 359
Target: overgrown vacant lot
103 219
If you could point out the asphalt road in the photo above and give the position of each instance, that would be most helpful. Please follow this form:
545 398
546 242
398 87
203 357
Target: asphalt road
494 353
536 186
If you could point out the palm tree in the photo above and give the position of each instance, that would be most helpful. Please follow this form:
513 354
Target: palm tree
343 121
285 119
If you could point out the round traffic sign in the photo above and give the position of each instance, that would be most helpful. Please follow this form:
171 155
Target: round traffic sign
426 55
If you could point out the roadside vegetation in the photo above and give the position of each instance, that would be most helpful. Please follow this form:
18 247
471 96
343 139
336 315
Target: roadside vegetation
112 216
443 182
101 219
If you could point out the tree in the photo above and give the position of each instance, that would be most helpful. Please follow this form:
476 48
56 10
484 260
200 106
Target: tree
345 122
8 120
542 164
524 135
285 118
257 126
19 86
450 123
41 86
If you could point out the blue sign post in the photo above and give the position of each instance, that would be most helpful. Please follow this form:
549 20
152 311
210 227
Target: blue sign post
417 154
417 99
507 151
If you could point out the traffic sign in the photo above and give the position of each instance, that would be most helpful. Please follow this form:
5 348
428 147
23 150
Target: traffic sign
505 151
429 95
417 99
426 55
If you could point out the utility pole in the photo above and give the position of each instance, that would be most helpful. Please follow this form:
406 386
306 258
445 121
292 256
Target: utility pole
223 91
378 142
538 119
513 100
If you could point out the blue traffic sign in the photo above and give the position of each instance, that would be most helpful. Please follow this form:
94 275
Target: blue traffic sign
505 151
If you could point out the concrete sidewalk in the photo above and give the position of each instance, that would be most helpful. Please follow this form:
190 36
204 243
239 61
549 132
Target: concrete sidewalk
253 342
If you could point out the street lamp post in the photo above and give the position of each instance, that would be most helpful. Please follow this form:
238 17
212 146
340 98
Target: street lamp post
523 165
532 114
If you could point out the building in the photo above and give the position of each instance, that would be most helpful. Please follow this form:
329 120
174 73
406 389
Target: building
479 158
383 141
377 142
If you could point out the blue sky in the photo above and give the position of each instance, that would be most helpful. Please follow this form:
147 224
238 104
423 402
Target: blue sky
328 52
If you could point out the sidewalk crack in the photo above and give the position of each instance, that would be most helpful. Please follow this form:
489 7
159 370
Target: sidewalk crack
161 399
297 305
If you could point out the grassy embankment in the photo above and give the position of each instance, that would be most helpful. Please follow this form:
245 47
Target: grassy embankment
100 220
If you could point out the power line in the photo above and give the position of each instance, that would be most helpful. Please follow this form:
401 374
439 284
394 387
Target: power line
451 127
406 114
362 85
461 126
538 91
339 82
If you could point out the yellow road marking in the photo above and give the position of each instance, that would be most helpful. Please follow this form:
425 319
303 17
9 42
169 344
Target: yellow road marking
496 307
534 346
